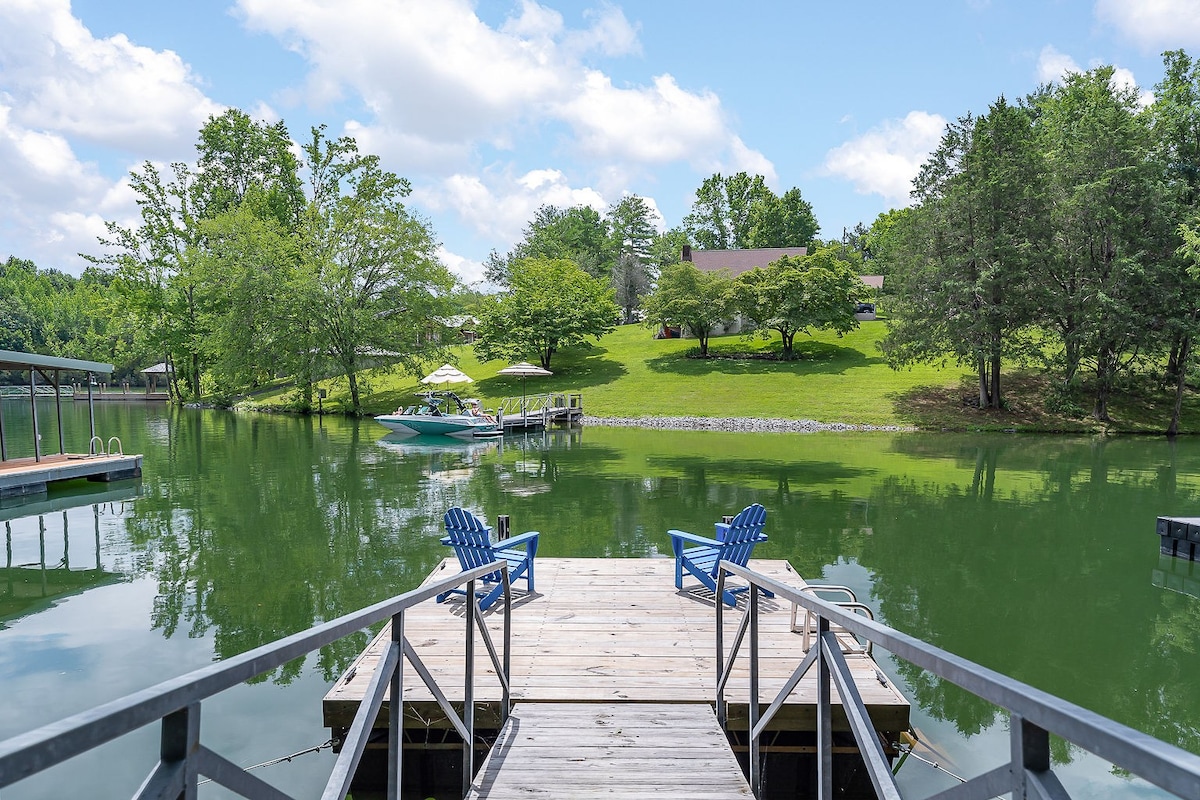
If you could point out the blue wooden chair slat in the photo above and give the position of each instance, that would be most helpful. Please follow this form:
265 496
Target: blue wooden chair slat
471 539
735 542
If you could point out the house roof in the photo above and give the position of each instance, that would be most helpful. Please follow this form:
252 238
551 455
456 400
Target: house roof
874 281
739 261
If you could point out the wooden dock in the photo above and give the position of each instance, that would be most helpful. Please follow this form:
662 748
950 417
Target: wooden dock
611 632
535 412
625 750
25 476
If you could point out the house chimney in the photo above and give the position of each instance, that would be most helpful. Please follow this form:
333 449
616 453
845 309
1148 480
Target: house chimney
687 253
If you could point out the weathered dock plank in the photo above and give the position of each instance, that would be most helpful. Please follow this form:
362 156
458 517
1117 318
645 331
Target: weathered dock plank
605 630
623 750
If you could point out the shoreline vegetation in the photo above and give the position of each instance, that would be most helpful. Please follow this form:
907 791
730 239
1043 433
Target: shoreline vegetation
631 379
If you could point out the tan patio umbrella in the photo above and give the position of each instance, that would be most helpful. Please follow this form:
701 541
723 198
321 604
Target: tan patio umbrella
524 369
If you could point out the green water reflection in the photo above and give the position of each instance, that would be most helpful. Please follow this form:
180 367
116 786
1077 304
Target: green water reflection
1033 556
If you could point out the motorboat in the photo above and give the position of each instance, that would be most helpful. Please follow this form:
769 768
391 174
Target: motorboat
442 414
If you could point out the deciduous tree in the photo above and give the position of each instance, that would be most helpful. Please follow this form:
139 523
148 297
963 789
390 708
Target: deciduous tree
549 304
692 299
799 294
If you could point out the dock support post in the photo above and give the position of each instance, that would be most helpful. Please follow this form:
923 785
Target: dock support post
37 439
3 442
396 714
62 447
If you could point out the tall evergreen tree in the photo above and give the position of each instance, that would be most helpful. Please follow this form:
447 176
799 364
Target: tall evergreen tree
958 270
1102 283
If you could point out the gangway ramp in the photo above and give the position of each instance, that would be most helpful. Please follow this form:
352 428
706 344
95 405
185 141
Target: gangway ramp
671 751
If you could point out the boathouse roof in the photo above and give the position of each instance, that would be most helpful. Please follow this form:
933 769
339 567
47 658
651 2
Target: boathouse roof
11 359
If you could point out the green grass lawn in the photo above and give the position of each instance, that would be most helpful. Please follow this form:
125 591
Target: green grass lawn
629 373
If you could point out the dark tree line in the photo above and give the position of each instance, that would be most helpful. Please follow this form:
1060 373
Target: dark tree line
1046 233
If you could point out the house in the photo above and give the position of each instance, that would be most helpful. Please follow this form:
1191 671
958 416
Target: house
737 262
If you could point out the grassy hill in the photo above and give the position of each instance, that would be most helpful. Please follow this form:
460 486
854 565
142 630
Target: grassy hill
630 374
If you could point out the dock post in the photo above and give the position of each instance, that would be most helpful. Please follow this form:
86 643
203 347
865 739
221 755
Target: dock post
37 439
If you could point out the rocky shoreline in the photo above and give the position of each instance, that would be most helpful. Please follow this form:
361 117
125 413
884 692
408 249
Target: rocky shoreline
735 424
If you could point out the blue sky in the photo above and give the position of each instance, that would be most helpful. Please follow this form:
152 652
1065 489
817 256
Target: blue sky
493 108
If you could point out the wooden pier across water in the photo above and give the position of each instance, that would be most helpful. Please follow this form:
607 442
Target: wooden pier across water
611 632
673 751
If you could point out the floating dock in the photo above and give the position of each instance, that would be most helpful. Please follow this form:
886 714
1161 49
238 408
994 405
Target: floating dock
25 476
611 632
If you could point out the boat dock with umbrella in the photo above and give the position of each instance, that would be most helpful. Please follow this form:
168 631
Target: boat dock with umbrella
540 410
536 411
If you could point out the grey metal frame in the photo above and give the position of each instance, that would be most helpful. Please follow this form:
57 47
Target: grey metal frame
176 702
1034 714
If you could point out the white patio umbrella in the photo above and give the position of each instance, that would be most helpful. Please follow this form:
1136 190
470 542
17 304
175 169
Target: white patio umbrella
447 374
524 369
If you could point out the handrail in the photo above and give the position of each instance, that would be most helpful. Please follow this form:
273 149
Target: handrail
92 451
176 702
1035 714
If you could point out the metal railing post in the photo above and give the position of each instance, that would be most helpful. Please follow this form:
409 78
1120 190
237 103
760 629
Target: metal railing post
506 700
722 709
469 692
180 739
824 718
396 714
752 706
1031 761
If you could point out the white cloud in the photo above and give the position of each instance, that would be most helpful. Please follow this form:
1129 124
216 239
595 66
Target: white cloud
58 78
467 270
650 125
440 83
885 160
499 206
1154 23
62 88
1053 66
51 198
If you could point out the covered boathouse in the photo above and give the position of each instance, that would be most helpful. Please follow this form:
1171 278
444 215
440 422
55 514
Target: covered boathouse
100 460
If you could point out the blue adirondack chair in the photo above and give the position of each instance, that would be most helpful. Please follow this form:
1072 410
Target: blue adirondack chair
735 542
471 540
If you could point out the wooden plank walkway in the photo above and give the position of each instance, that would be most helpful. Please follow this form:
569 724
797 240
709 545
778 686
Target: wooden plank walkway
608 630
626 750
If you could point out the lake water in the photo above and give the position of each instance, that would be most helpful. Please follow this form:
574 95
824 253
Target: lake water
1035 556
